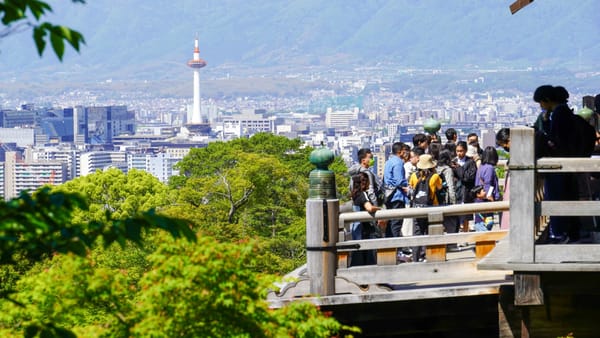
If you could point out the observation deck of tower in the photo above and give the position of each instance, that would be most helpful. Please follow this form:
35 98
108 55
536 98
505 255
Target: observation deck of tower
197 125
196 62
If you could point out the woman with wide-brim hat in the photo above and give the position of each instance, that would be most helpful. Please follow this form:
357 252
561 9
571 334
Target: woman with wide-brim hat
425 184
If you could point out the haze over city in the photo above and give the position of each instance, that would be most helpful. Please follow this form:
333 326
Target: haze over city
351 74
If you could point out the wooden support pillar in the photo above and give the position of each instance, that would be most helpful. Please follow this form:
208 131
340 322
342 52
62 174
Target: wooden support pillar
322 222
436 253
522 196
528 289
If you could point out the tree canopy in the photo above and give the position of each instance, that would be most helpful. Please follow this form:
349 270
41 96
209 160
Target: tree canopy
85 259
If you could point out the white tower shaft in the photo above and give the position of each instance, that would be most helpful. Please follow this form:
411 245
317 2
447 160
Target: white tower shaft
196 117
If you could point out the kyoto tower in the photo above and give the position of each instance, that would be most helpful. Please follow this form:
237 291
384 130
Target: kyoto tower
196 63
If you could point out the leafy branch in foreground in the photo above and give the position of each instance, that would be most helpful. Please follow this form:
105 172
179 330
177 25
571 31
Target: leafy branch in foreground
15 17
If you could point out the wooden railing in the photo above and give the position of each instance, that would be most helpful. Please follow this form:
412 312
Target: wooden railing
328 257
527 206
435 243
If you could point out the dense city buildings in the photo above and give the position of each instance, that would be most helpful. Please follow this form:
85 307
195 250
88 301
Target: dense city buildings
62 137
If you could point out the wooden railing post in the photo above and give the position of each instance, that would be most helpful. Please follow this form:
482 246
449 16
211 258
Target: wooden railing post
322 225
522 194
321 237
435 253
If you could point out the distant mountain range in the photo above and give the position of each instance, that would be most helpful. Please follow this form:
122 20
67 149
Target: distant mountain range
152 39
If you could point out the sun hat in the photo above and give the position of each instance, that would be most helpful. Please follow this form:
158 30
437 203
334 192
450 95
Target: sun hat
426 162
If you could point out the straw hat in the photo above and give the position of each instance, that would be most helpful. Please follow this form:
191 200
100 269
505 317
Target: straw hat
426 162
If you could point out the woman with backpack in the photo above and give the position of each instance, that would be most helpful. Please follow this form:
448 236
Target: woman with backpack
425 184
448 192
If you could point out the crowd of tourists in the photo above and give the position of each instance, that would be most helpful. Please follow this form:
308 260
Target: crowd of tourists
432 173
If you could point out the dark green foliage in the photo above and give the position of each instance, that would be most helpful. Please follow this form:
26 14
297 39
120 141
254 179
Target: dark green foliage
15 12
40 224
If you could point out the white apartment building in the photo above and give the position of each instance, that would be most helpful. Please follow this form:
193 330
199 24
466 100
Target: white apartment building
23 137
64 154
21 175
244 126
340 119
100 160
159 165
2 180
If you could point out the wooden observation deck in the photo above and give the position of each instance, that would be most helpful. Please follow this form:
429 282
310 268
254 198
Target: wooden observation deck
510 283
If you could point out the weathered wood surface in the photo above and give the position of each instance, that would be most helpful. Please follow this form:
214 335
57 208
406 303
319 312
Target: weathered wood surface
401 242
518 5
522 193
566 164
549 258
528 289
568 254
570 208
451 271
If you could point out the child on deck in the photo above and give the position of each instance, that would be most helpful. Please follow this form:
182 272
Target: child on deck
483 221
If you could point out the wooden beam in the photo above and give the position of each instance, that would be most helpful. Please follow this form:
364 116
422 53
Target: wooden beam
567 254
517 5
567 164
528 289
403 242
463 270
570 208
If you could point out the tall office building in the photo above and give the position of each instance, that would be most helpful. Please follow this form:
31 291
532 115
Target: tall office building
104 123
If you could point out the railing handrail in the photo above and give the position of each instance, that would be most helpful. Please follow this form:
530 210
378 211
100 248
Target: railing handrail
567 164
410 241
446 210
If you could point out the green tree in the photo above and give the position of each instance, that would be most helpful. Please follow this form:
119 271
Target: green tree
20 15
207 289
35 227
121 194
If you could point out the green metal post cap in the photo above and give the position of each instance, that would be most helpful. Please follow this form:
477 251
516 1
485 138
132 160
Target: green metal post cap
321 157
321 180
432 125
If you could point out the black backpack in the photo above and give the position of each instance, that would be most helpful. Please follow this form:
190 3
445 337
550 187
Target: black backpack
442 194
421 196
